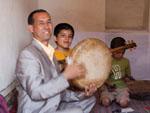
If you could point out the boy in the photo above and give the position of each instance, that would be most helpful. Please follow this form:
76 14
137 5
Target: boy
116 88
64 33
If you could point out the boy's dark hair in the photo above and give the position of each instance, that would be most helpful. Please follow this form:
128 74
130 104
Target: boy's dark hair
30 17
62 26
117 42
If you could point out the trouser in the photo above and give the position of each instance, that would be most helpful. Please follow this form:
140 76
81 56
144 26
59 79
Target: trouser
70 110
85 104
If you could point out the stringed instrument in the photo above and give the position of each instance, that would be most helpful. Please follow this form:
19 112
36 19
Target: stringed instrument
130 44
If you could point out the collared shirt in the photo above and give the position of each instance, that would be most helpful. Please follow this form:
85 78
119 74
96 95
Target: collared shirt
48 49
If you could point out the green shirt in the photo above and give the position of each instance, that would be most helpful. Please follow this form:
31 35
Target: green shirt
120 69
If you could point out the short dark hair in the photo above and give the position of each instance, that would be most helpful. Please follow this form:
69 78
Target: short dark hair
62 26
117 42
30 17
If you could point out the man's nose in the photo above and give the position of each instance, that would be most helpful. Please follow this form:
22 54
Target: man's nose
47 26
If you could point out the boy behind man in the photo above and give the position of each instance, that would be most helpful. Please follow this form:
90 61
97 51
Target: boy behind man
64 33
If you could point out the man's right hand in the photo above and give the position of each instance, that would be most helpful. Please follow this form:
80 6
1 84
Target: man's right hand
74 71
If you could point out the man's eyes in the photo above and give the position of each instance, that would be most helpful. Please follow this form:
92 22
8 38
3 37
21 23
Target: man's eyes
42 23
49 22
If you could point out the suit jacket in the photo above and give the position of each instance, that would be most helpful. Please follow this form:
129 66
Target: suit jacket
40 83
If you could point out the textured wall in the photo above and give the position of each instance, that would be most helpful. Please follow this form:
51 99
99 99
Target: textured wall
127 14
13 36
85 15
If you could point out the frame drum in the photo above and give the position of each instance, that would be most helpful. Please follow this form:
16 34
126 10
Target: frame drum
96 57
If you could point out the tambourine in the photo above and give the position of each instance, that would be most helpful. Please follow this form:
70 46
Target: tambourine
96 57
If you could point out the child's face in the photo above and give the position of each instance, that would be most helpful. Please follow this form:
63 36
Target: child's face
64 39
118 54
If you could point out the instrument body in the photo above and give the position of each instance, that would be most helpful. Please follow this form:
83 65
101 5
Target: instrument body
96 57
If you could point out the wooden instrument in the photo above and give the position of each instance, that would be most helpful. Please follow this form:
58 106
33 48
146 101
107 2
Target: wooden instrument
131 44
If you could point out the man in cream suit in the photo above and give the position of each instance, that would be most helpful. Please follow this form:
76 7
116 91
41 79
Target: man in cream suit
40 83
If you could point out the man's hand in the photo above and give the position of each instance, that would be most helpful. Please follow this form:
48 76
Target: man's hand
74 71
90 90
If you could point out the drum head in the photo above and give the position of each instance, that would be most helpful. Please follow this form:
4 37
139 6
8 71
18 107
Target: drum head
96 57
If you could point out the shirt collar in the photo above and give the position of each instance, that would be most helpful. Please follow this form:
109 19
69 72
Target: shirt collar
48 49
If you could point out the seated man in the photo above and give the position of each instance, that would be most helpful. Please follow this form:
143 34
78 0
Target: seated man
41 86
64 33
116 87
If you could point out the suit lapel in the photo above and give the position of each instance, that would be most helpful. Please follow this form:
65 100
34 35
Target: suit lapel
53 68
56 64
41 50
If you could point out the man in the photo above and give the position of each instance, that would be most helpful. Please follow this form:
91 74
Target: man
40 84
64 34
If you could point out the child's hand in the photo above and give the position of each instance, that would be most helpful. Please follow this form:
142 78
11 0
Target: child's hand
128 79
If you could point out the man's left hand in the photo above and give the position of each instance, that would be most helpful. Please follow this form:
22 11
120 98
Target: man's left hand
90 90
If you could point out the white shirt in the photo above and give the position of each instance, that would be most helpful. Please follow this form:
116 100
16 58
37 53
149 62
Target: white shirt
48 49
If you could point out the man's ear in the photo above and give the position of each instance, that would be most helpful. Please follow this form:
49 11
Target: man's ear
30 27
55 40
